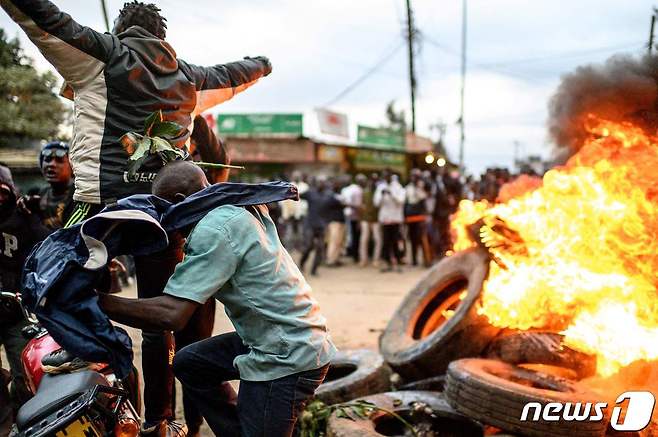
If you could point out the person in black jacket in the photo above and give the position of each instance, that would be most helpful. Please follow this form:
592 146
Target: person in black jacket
318 197
19 232
116 81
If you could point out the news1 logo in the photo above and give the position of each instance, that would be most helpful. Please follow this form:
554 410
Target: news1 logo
638 411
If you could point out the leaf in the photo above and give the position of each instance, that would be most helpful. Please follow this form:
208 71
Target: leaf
166 129
341 414
141 149
360 411
151 120
168 156
160 145
129 140
135 165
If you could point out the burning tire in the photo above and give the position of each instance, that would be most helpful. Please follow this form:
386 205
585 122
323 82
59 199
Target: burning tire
354 373
442 419
495 393
438 322
544 348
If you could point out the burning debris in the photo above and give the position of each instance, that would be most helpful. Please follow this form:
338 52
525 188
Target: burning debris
578 254
549 301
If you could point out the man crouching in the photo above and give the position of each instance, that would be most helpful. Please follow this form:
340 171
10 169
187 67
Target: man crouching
280 349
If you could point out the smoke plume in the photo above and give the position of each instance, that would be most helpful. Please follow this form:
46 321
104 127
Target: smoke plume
624 88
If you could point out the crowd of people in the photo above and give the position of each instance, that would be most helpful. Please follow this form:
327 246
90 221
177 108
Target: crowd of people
382 219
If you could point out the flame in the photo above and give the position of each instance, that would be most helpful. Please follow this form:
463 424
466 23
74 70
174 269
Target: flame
589 268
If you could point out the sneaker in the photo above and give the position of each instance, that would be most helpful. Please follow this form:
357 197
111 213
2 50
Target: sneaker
61 361
165 429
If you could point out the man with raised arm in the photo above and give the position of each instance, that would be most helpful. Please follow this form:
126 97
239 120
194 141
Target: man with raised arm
116 80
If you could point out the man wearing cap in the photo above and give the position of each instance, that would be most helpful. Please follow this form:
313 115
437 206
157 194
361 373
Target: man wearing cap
53 203
18 234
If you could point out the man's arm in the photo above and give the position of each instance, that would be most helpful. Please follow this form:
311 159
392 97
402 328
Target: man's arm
219 83
77 52
229 75
162 313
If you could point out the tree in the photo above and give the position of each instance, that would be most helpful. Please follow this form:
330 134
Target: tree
29 106
396 119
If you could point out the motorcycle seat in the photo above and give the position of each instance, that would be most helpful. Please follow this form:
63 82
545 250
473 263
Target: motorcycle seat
54 392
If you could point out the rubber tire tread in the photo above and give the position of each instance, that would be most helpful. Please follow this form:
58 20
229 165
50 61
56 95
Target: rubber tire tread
372 375
466 334
501 407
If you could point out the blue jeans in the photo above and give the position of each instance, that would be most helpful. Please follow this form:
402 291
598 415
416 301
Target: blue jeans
267 408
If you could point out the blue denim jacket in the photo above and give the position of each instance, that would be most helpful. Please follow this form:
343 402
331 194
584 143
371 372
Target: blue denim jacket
62 272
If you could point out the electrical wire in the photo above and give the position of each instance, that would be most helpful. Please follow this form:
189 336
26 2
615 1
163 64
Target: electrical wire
379 64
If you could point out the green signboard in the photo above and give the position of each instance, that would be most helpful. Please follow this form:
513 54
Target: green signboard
260 124
381 137
379 160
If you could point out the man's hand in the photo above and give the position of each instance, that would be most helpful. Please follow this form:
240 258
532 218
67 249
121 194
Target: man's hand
264 60
28 204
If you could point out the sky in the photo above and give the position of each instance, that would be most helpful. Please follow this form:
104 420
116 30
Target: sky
517 51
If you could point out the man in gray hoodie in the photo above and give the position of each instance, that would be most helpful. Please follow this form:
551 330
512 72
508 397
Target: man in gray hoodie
116 80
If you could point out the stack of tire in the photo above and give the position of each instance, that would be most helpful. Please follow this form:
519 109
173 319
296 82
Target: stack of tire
431 350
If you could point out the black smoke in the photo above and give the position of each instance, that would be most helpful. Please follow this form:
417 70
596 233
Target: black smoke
624 88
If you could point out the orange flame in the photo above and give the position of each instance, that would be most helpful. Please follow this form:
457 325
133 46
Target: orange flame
590 264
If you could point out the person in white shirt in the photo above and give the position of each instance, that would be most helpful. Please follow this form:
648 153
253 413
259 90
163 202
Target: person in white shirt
353 197
415 215
389 197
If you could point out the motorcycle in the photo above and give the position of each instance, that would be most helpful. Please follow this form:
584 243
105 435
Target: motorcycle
86 403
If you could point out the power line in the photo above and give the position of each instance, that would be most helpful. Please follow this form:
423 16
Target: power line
380 63
548 57
559 56
455 53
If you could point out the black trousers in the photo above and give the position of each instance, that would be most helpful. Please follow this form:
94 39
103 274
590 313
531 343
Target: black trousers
6 413
417 235
261 408
159 347
390 248
355 237
313 242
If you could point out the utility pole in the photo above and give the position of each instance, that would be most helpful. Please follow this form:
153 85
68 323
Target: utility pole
411 35
653 24
463 86
107 21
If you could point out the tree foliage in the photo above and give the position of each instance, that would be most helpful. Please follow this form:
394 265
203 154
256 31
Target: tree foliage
29 106
396 119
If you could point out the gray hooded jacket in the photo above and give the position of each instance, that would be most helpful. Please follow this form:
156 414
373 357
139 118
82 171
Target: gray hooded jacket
116 82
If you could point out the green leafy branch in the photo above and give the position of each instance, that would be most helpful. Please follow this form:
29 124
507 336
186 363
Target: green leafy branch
314 418
156 139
